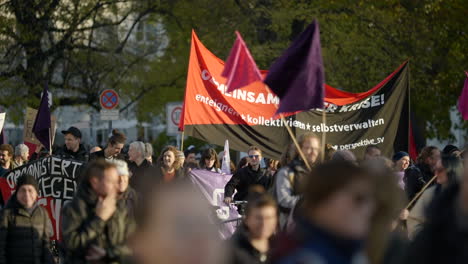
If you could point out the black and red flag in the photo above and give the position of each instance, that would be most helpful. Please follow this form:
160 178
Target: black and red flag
355 120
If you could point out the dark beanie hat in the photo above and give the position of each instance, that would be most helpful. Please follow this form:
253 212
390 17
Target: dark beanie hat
399 155
449 149
26 180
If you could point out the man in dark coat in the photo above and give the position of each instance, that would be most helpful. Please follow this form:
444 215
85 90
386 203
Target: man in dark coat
95 226
417 176
73 149
246 177
25 227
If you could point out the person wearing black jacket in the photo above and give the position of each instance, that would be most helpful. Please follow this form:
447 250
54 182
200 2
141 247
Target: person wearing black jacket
73 149
25 228
246 177
141 169
251 244
115 144
417 176
95 224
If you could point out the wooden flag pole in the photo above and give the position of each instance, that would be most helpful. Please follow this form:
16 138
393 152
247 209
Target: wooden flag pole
295 142
50 141
420 193
324 134
293 137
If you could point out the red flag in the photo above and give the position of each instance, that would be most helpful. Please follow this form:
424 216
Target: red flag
240 68
463 100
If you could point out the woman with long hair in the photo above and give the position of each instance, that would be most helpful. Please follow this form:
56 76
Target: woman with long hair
209 160
168 166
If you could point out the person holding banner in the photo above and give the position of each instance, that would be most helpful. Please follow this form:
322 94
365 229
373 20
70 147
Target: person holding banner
209 160
25 228
115 144
247 177
173 227
73 148
289 179
95 226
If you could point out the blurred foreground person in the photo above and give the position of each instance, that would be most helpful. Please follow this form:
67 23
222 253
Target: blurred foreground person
344 155
334 219
95 226
115 144
386 244
174 228
372 152
448 171
444 237
251 242
290 178
25 228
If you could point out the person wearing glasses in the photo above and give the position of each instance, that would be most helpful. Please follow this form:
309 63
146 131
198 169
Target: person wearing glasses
246 177
290 179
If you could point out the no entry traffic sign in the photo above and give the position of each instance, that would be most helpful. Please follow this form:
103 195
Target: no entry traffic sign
109 99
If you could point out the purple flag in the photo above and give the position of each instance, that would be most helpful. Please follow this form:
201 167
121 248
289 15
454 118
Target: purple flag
211 184
42 123
297 77
463 100
240 68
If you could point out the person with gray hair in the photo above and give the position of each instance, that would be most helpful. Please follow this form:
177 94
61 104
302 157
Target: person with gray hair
139 166
127 195
149 152
21 156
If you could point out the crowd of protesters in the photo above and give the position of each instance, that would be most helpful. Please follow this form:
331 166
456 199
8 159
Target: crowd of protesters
307 207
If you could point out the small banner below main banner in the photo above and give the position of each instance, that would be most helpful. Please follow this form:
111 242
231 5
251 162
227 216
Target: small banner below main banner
354 120
57 179
212 184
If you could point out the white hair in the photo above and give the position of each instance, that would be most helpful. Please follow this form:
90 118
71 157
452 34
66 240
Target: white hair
20 149
139 147
122 167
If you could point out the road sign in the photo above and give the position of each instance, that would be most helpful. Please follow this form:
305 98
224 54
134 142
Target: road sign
109 99
109 115
173 114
